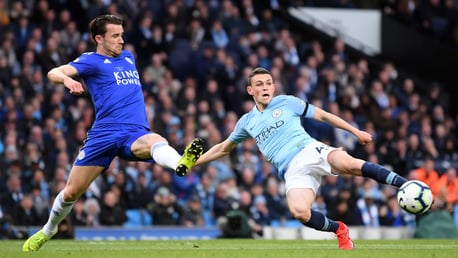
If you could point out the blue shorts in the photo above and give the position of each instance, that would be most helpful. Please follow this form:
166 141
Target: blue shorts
105 142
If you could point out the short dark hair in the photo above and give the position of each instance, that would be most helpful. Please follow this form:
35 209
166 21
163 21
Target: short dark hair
98 26
256 71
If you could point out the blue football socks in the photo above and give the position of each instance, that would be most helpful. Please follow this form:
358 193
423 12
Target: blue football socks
381 174
320 222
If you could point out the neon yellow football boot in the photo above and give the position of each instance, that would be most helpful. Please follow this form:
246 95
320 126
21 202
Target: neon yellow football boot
36 241
192 152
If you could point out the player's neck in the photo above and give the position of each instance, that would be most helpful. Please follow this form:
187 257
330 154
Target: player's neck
261 107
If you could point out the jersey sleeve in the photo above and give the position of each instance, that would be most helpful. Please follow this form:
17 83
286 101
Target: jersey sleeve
84 64
239 134
300 107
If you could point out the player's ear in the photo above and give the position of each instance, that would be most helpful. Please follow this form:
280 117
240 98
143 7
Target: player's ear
98 39
249 90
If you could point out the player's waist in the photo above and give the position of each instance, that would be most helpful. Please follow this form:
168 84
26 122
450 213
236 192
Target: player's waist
118 126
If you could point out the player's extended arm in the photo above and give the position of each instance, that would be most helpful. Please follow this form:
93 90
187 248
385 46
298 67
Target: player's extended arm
337 122
217 151
63 75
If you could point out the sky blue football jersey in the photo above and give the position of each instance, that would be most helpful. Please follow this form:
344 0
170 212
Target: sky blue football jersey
115 88
277 130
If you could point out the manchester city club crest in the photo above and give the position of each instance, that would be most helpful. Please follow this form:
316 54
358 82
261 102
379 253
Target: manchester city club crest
276 113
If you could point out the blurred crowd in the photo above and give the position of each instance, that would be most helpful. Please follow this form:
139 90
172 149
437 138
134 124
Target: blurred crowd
194 57
436 18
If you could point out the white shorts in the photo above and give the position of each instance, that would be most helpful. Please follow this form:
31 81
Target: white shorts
308 166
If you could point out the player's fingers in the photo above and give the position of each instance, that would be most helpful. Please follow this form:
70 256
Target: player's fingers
76 90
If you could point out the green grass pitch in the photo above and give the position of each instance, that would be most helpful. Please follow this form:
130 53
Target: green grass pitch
246 248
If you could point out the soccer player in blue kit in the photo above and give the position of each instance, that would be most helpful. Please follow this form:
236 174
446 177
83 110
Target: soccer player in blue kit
275 124
120 127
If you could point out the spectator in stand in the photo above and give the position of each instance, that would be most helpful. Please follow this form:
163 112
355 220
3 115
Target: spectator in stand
78 214
185 186
391 214
69 37
368 210
343 207
218 34
40 203
111 213
193 214
26 214
164 209
92 209
430 147
260 211
278 208
140 193
255 217
445 189
223 201
330 188
205 189
141 35
11 198
450 150
414 152
404 92
426 173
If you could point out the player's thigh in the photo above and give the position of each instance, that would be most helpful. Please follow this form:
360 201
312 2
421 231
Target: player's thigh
343 163
79 180
140 145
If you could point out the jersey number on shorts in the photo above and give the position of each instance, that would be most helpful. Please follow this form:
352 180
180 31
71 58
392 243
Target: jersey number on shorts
319 149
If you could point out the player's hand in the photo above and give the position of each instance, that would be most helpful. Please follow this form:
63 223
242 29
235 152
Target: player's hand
363 137
74 87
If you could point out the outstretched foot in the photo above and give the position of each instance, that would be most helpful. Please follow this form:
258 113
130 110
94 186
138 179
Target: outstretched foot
343 236
192 152
36 241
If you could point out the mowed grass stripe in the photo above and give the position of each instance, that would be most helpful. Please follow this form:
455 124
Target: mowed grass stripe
236 248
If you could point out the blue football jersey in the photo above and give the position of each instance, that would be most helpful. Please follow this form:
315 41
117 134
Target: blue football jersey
277 130
115 88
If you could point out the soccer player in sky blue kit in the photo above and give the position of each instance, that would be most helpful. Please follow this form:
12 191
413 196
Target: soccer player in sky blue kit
120 127
275 124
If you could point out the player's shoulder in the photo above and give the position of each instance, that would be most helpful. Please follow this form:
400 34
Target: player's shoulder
127 56
85 56
279 99
245 116
127 53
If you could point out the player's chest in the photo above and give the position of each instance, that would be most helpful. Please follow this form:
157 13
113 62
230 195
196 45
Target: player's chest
120 72
269 120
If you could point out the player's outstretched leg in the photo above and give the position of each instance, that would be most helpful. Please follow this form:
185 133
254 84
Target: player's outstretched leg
192 152
343 236
36 241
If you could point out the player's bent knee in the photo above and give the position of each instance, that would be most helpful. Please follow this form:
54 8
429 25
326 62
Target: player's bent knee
301 214
71 194
354 166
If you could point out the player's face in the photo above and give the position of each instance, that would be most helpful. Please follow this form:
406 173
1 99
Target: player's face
112 42
262 89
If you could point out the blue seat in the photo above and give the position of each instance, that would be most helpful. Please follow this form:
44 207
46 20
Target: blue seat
292 223
137 218
275 223
133 218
